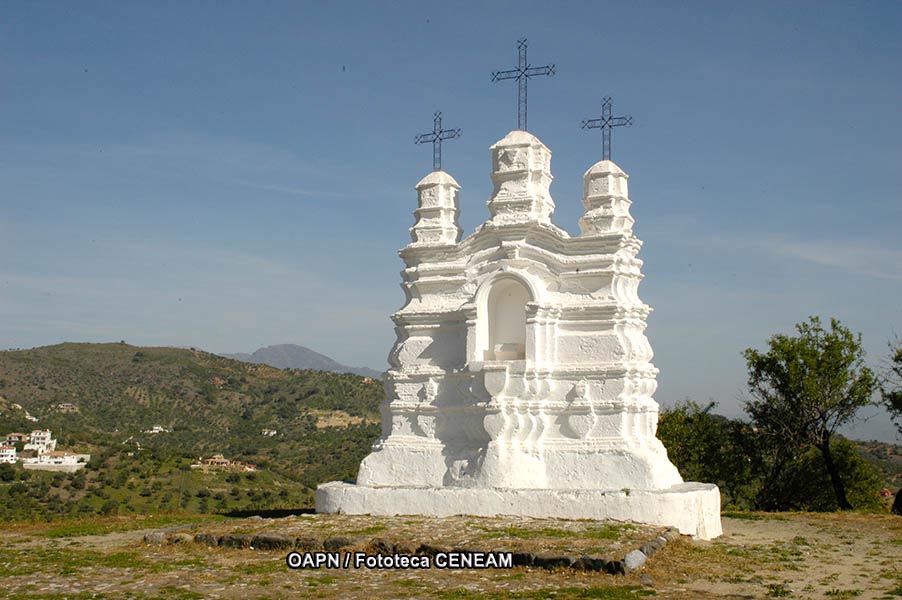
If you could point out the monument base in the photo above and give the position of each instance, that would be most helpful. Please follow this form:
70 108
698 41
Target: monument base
693 508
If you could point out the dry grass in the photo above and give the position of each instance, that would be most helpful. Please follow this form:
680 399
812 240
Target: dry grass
793 556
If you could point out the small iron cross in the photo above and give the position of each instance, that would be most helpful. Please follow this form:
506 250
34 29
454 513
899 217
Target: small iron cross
435 138
522 74
606 123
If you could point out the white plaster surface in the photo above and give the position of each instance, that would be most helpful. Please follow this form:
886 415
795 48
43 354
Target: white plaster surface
521 380
693 508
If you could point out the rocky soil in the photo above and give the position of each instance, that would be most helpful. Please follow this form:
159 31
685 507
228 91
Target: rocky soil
792 555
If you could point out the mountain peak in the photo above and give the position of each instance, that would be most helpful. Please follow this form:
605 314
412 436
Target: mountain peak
293 356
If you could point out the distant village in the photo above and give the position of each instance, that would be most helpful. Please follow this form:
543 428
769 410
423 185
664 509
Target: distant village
39 452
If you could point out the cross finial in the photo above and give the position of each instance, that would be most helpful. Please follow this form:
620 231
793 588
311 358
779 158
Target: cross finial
436 138
522 74
606 123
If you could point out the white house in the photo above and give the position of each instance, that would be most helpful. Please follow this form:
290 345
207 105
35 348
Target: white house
157 429
7 454
41 440
56 461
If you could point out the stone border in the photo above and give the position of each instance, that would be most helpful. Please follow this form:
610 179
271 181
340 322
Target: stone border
277 541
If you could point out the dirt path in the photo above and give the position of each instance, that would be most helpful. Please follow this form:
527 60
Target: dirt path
787 555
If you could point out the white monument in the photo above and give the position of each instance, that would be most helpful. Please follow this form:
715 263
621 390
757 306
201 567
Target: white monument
521 381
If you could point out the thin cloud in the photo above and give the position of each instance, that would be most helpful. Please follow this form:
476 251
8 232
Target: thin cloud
876 261
855 256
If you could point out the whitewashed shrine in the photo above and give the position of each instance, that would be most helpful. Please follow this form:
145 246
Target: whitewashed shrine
521 381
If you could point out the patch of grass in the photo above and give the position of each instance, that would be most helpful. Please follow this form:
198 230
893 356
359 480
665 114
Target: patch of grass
608 532
782 553
524 533
602 532
115 560
180 594
835 593
616 592
778 590
368 530
167 565
750 516
60 596
104 526
261 567
66 561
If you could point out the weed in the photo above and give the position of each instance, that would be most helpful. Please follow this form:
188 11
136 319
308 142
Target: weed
778 590
835 593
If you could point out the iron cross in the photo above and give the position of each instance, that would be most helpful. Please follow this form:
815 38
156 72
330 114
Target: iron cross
435 138
522 74
606 123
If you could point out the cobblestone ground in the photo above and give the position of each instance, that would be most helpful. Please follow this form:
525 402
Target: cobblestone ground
760 556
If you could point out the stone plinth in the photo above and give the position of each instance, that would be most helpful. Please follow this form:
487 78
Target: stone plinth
521 380
693 508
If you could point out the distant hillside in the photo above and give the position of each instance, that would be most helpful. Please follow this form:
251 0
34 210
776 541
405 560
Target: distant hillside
325 424
292 356
887 458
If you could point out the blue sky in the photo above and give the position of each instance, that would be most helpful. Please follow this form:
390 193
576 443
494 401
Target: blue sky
231 175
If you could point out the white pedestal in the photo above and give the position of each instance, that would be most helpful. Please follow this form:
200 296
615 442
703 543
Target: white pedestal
693 508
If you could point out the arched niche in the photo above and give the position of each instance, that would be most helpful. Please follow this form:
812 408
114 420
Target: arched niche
502 320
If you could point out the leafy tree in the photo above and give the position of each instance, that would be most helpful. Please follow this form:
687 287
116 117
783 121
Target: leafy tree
804 388
805 482
7 472
109 507
891 386
709 447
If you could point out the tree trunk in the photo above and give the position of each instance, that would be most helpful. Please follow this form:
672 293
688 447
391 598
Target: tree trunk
838 488
769 498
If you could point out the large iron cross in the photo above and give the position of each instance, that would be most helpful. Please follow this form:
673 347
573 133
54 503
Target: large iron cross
435 138
522 74
606 123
